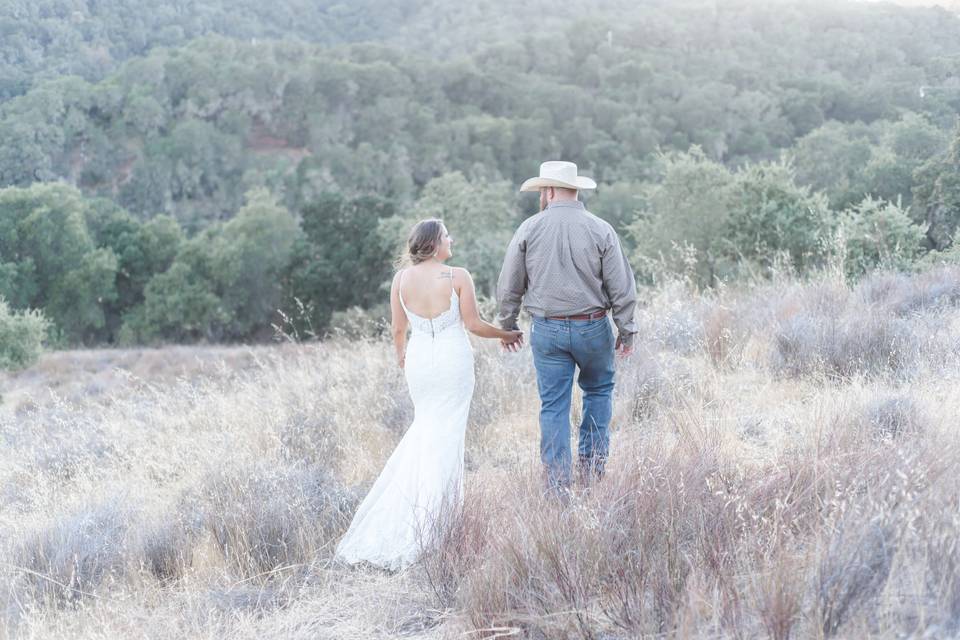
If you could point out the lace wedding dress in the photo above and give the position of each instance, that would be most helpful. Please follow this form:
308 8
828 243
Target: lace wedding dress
424 474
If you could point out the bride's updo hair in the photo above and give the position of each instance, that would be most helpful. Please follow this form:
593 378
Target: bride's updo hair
423 242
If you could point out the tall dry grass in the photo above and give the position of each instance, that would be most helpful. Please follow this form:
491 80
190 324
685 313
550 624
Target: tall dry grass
784 464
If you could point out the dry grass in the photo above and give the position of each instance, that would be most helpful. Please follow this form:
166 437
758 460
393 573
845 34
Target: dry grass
784 464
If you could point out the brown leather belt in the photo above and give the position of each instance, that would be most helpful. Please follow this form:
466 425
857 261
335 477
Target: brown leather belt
585 316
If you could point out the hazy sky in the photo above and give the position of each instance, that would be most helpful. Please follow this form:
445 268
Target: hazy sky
950 4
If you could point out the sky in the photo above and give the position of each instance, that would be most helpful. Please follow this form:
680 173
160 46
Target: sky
949 4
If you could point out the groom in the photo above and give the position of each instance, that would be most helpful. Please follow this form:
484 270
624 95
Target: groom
567 267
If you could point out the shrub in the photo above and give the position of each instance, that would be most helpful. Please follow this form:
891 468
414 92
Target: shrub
854 570
878 233
895 416
649 383
263 519
358 323
770 214
72 558
21 336
844 347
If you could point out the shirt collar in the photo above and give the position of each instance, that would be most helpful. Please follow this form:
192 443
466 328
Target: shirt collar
575 204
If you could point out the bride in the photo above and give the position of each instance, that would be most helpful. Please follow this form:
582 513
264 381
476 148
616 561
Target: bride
425 472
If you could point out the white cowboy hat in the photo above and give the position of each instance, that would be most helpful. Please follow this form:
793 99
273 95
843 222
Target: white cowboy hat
556 173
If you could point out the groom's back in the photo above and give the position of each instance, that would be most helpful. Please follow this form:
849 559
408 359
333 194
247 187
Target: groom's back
563 251
563 247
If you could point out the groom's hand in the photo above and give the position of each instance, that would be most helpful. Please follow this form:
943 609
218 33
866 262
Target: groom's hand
623 350
514 343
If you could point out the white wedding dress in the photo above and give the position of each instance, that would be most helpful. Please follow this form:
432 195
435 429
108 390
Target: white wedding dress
424 474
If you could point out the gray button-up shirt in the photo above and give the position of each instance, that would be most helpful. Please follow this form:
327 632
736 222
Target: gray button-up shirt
565 261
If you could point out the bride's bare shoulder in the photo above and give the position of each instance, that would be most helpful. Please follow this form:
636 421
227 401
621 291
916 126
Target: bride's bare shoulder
461 279
460 275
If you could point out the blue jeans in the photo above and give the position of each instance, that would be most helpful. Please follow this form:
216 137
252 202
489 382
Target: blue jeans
558 347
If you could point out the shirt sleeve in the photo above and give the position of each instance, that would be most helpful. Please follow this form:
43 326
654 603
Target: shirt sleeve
512 283
621 287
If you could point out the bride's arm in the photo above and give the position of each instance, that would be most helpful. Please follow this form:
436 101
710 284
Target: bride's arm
398 321
471 315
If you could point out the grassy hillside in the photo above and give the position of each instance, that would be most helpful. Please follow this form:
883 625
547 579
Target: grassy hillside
785 464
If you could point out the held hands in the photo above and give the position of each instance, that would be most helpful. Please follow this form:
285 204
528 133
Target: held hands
513 342
623 350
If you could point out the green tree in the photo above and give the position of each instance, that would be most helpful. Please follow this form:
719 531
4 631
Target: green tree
250 258
341 261
50 261
179 306
831 159
937 196
225 283
618 203
849 162
688 205
479 216
187 130
142 249
771 214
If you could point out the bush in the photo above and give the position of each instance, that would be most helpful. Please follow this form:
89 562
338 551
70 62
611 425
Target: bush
263 518
935 290
73 557
21 336
895 416
357 323
701 218
808 344
878 233
771 214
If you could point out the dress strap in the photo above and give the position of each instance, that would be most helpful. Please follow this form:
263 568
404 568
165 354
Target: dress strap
400 290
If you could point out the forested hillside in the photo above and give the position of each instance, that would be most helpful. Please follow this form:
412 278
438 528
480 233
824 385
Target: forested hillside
748 133
89 38
184 131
